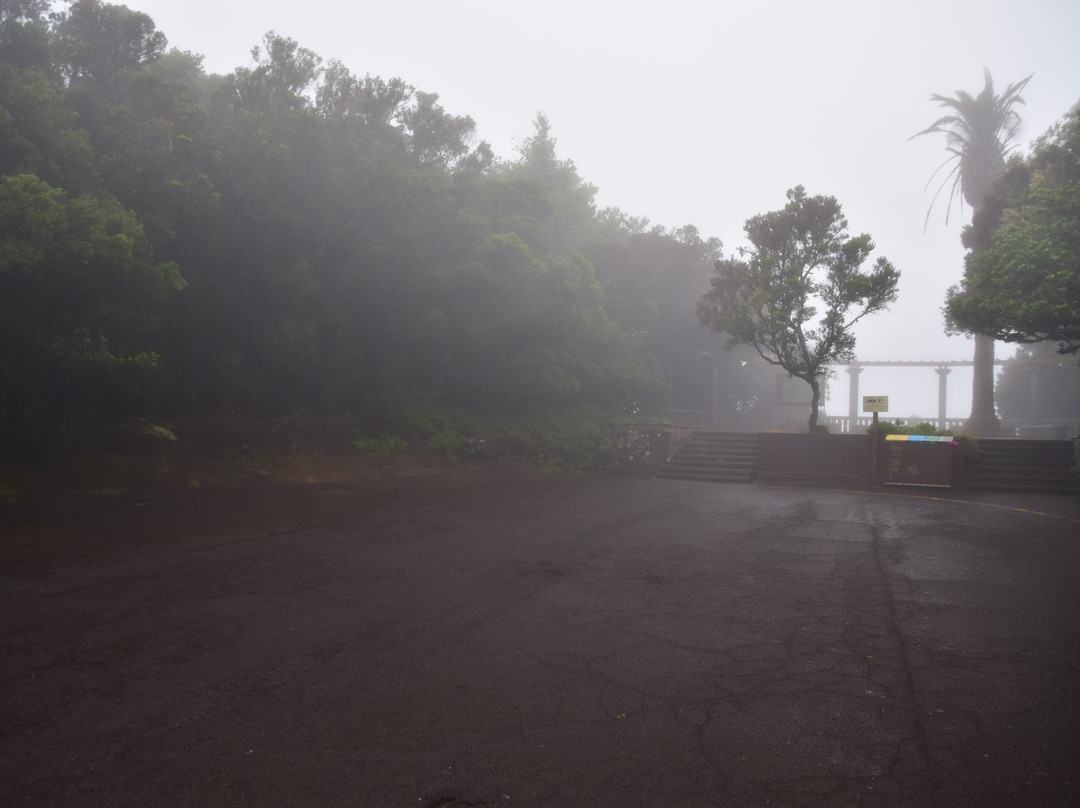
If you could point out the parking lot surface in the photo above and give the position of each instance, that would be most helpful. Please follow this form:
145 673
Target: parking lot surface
588 641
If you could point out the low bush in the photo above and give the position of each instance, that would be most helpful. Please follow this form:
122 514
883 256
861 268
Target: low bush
383 444
900 428
572 439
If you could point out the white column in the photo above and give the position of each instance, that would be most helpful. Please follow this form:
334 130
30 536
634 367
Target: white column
942 390
853 397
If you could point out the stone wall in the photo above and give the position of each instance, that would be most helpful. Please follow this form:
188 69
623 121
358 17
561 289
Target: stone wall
645 449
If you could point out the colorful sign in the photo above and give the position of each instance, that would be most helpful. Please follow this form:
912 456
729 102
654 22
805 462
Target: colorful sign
926 438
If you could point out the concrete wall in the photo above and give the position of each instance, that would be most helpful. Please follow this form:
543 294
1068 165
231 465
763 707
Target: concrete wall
818 457
783 457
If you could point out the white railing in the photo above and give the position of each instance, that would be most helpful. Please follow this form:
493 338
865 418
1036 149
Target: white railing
794 419
785 419
681 417
840 423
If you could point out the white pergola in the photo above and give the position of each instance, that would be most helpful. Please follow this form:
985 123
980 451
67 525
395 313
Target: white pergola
942 368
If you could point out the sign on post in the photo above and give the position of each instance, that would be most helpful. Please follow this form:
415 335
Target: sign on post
875 403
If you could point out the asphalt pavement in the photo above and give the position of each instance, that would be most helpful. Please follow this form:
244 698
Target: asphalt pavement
592 641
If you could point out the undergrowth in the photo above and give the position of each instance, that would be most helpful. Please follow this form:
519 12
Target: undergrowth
576 439
121 458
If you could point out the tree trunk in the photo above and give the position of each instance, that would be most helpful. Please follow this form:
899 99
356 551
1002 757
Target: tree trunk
815 397
983 420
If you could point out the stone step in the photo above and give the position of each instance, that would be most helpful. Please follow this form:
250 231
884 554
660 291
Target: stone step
714 476
1024 484
1023 465
714 457
684 460
1056 460
1026 469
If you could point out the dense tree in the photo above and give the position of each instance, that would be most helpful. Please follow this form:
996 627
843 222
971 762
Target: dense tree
541 196
281 78
801 259
527 333
1039 385
24 34
1022 282
79 300
291 235
978 132
185 69
652 279
40 133
101 45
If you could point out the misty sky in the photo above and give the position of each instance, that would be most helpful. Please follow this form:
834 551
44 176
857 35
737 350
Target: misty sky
705 113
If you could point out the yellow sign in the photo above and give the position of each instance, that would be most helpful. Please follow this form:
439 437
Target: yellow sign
875 403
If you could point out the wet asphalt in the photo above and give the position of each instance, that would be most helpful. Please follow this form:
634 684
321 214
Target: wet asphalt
585 642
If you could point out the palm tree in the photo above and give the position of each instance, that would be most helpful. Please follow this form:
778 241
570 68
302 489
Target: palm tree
978 136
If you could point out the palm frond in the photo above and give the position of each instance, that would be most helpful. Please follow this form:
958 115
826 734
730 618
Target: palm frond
978 136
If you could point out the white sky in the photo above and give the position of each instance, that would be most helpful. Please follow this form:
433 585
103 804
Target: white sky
705 113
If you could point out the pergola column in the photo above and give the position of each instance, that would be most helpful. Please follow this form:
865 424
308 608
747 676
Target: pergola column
853 396
714 415
942 394
1034 399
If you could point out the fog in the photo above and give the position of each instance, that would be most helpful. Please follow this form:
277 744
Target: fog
706 113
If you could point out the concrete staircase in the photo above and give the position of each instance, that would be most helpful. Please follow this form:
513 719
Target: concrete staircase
716 457
1023 465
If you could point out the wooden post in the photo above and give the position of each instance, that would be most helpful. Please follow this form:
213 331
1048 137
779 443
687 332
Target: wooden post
876 439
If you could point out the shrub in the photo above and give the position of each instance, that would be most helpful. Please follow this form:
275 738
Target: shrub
383 444
567 439
900 428
10 492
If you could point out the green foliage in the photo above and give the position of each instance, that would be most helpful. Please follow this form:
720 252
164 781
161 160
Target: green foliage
102 44
801 260
383 444
977 132
443 429
1038 384
545 195
39 132
579 440
1022 284
412 419
569 439
10 488
293 236
77 302
158 431
24 35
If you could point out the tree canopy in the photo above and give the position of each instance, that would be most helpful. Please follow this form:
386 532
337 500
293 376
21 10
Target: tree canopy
292 235
1022 283
801 262
1038 384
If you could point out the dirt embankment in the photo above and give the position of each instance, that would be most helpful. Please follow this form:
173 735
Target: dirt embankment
218 461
